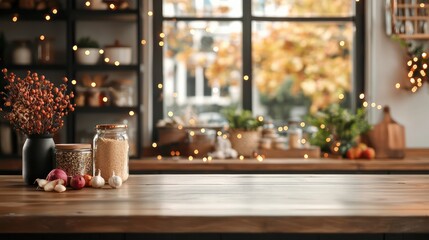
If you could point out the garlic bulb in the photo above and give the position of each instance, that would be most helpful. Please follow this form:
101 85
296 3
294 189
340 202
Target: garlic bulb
115 181
98 181
60 188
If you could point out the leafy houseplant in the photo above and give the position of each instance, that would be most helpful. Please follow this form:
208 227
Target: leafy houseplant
338 128
35 107
87 51
243 131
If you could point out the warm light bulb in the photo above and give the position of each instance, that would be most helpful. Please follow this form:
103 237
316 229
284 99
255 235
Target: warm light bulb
101 51
203 130
154 145
15 18
219 133
361 96
261 118
87 52
159 157
373 104
190 158
160 85
42 37
239 136
305 156
106 60
285 128
54 11
105 99
365 104
245 77
131 113
117 63
379 107
170 114
196 151
143 42
88 3
162 35
241 157
341 96
112 6
397 85
161 43
192 133
342 43
47 17
150 13
302 124
328 139
322 126
280 129
260 158
93 84
180 127
73 82
74 48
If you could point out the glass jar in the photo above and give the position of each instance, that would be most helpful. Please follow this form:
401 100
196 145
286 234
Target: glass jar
45 50
110 150
21 53
295 135
74 159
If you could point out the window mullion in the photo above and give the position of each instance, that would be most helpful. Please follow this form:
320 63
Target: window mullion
247 54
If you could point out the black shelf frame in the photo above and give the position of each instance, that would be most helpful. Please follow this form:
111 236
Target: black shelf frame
70 14
33 15
106 109
130 15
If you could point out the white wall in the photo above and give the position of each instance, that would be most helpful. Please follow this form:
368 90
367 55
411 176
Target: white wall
386 65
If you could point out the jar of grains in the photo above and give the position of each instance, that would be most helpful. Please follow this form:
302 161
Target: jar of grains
74 159
110 150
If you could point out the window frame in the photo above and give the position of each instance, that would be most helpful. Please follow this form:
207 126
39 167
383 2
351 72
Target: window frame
246 19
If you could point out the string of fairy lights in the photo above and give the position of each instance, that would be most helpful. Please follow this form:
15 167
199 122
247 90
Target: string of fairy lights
256 156
54 11
417 74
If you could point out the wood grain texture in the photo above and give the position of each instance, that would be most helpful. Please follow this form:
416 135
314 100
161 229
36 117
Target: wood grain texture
224 204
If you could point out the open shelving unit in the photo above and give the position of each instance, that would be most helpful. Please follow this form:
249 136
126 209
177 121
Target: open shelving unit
71 22
408 19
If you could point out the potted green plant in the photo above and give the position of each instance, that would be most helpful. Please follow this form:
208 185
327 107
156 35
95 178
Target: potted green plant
338 128
244 131
87 51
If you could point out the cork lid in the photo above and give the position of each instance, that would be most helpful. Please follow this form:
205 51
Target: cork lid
110 126
73 146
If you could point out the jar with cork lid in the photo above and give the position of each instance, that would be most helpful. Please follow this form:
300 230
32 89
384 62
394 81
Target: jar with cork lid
110 150
74 159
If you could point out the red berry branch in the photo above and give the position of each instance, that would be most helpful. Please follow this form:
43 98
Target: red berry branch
36 105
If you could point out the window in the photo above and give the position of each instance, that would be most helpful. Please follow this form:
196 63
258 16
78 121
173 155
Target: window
280 58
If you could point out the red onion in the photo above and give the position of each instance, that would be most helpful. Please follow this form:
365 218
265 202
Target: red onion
77 182
57 174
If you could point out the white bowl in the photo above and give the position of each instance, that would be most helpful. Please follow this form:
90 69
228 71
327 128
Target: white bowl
118 54
87 56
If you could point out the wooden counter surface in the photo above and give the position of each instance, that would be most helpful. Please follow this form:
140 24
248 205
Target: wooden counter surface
224 203
416 160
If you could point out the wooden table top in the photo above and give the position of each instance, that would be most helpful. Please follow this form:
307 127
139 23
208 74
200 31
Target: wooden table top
224 203
267 165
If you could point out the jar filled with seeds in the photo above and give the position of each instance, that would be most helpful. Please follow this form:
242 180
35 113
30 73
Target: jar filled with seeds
111 148
74 159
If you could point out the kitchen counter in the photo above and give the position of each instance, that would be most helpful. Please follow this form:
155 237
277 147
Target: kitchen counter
223 203
416 161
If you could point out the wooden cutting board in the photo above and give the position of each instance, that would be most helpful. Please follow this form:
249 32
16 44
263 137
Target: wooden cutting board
388 137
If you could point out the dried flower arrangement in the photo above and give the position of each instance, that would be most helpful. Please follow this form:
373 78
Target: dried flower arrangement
34 105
